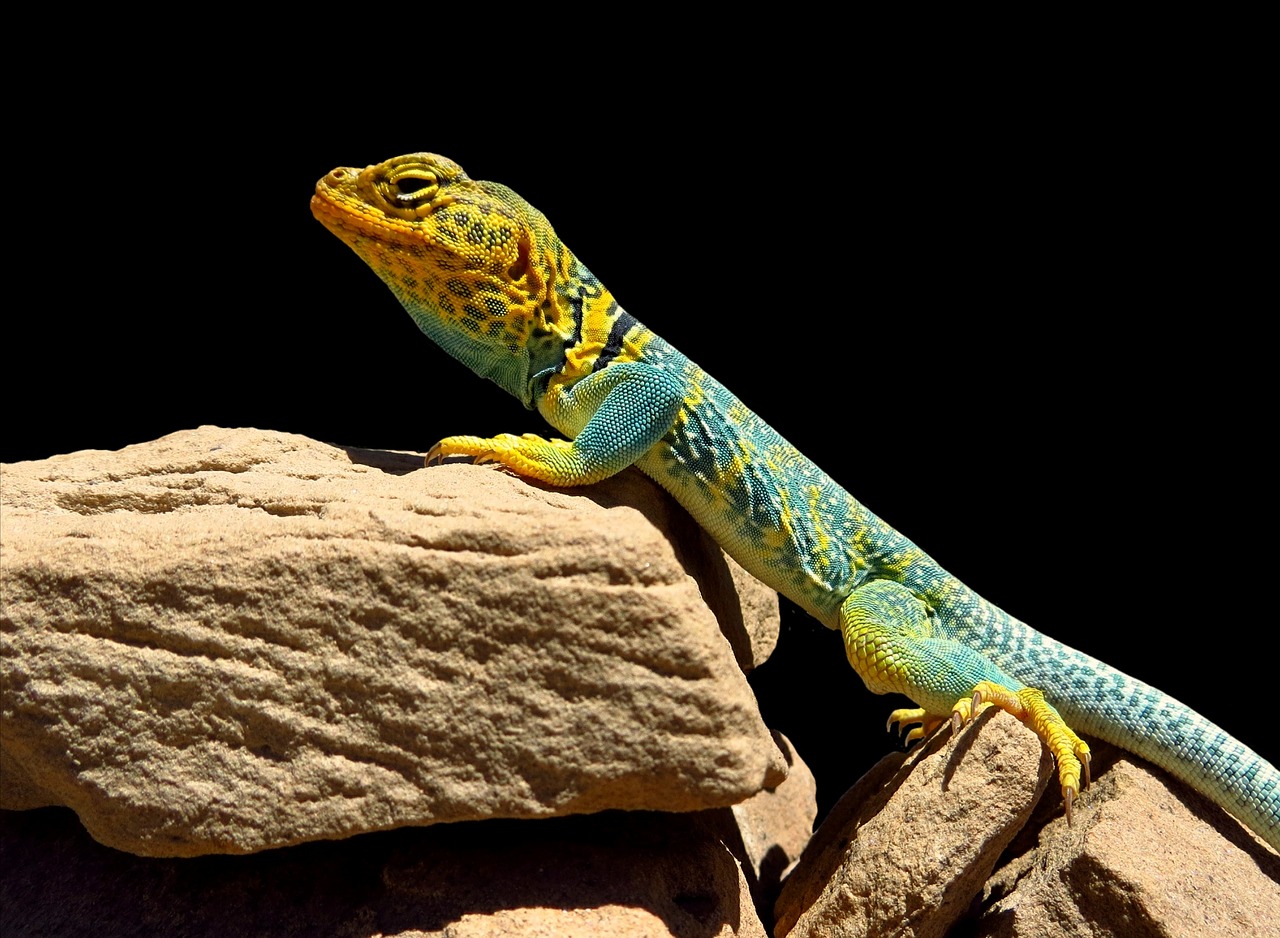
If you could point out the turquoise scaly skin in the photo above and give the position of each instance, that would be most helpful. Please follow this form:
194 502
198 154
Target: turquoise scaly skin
483 274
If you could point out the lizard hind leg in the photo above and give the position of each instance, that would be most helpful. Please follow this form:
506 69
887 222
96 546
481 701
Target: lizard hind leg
892 638
895 643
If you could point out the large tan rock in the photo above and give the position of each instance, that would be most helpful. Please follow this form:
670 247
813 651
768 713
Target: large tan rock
1145 855
228 640
906 849
616 874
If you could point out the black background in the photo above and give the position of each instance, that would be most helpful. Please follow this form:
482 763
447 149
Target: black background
1003 299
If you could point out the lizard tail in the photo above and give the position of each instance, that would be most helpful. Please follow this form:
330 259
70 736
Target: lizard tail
1097 700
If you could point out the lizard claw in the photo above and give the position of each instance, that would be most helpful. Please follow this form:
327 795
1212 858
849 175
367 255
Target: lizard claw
964 710
906 717
1071 788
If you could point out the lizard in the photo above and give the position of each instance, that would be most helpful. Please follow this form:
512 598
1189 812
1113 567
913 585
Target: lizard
483 274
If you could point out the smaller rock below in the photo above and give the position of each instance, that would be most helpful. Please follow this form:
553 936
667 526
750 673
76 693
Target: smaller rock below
908 847
1145 855
618 874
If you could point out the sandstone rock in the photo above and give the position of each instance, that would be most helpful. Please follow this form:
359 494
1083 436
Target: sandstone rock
908 847
1145 855
776 824
769 831
229 640
614 874
746 609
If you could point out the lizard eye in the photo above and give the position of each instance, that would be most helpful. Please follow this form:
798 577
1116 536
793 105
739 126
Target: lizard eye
410 186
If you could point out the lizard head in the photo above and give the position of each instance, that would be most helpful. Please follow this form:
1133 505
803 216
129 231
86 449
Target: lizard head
471 261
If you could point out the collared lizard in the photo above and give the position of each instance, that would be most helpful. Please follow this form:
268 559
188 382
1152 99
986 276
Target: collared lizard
483 274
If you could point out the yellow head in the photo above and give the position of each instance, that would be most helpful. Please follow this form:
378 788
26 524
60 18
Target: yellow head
472 262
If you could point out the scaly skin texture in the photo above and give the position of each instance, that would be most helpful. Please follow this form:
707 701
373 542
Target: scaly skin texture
484 275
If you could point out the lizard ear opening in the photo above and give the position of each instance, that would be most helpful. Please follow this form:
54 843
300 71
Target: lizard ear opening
520 266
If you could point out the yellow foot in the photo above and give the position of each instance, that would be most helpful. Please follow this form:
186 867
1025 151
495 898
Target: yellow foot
528 455
1029 706
904 718
481 449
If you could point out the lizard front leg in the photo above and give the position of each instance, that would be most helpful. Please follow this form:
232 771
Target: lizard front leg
891 640
622 411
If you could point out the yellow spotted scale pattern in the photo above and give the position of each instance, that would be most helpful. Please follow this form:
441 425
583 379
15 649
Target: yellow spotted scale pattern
483 274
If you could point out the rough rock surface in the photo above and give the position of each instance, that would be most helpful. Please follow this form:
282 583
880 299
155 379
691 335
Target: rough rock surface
614 874
229 640
769 831
908 847
1145 856
776 824
907 854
